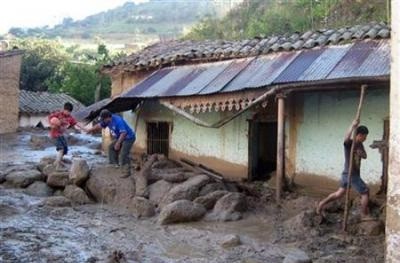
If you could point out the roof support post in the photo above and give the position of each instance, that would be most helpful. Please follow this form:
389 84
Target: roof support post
280 157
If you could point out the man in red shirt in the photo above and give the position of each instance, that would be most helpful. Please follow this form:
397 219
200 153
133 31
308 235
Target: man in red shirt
60 121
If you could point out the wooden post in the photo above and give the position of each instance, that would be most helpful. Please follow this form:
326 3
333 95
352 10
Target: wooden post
346 206
280 157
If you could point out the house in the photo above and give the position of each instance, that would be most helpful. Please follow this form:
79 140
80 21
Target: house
10 67
34 107
247 108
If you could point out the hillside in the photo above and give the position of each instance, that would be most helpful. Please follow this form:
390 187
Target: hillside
153 19
253 18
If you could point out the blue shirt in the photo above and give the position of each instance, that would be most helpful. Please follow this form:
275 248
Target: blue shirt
117 126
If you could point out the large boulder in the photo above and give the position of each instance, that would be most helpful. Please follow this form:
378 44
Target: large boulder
79 171
58 179
45 161
141 177
187 190
181 211
39 188
141 207
106 185
299 224
23 178
76 195
229 208
158 190
212 187
209 200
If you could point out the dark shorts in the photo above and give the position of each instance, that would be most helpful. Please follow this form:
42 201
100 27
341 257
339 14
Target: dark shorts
356 182
61 144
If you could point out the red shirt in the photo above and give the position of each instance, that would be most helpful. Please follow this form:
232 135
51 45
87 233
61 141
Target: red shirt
66 121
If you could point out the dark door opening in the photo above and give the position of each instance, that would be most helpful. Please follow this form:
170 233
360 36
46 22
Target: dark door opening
262 149
158 138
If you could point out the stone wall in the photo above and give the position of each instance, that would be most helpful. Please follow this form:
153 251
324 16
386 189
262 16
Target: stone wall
10 64
393 194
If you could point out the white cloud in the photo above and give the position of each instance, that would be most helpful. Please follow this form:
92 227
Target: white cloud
32 13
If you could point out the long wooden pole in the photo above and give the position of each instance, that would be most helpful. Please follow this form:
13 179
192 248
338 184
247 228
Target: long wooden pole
357 118
280 147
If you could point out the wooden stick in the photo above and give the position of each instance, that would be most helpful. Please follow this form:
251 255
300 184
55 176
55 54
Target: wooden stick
357 118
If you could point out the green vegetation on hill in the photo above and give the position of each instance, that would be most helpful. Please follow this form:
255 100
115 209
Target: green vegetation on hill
156 17
266 17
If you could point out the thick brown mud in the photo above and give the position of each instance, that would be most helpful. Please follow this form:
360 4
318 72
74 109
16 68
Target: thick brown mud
32 230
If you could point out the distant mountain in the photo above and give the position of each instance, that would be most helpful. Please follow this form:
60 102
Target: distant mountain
161 18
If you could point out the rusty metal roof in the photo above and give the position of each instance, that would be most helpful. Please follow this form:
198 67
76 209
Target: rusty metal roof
362 59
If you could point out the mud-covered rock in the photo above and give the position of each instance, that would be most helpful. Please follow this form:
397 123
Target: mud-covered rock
58 179
48 160
229 241
141 207
229 208
56 201
158 190
209 200
372 227
76 195
187 190
2 177
23 178
142 177
79 171
39 188
181 211
106 185
212 187
163 163
296 256
300 224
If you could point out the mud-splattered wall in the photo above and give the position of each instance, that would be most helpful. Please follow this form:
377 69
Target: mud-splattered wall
10 64
325 119
393 195
224 149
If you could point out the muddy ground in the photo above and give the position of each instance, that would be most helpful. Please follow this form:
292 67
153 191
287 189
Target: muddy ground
32 230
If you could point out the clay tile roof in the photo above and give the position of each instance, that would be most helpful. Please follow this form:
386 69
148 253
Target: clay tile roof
44 102
186 51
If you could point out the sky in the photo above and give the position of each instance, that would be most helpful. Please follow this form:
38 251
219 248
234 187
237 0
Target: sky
33 13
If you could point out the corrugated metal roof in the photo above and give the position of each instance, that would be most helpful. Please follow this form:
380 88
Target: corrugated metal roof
368 58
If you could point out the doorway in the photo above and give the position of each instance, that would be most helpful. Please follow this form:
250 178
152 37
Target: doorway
262 149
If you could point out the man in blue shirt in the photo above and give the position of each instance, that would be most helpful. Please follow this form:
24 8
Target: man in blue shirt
123 138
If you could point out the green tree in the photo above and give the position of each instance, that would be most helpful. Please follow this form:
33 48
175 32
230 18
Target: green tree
41 61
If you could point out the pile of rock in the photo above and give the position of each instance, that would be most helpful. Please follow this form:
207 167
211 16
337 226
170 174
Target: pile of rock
160 187
44 180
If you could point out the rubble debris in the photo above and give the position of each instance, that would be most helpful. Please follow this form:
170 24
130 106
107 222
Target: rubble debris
181 211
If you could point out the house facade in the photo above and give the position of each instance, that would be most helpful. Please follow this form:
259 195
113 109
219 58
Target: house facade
285 102
10 67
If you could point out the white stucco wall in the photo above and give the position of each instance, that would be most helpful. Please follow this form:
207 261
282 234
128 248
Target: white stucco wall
26 120
326 117
229 143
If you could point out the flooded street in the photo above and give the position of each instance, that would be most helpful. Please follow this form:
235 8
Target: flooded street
52 229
